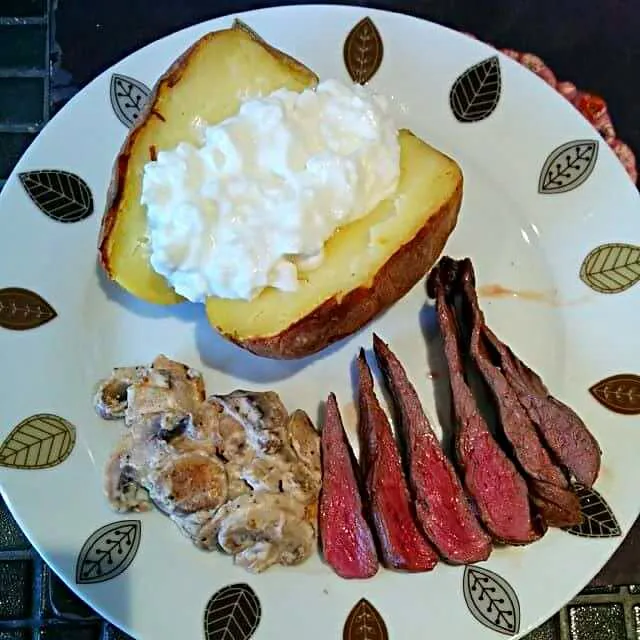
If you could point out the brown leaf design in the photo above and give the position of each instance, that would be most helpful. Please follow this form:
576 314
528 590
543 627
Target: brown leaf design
363 51
619 393
364 623
21 309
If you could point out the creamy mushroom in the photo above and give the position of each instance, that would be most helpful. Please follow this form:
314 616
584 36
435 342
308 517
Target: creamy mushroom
234 471
264 529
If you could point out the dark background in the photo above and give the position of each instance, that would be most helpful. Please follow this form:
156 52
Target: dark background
593 43
51 48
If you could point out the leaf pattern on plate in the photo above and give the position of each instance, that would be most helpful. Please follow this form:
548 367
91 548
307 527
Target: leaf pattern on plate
619 393
611 268
364 622
63 196
128 97
568 166
491 600
233 613
475 94
108 551
21 309
363 51
41 441
598 520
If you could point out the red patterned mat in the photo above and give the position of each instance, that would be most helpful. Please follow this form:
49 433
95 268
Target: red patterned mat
590 105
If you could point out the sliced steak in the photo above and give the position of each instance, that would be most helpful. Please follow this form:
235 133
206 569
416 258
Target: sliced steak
402 544
563 431
492 480
441 505
548 486
347 542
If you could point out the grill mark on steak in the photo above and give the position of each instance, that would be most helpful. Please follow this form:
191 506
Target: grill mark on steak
499 491
441 504
548 486
402 545
347 542
563 431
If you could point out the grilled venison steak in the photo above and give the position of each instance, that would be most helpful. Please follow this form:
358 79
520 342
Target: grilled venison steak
492 480
347 543
441 504
563 431
402 544
548 486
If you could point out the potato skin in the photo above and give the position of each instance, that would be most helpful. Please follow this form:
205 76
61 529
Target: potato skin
337 318
115 192
165 83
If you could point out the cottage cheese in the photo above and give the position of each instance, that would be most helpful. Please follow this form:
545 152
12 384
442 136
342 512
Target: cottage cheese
254 204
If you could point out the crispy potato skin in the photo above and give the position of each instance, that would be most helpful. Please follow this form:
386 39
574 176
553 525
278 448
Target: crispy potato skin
337 318
116 187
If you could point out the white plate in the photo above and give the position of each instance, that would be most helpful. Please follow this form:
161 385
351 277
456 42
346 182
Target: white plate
520 237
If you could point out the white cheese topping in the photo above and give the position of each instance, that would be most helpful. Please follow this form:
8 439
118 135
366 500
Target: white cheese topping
254 204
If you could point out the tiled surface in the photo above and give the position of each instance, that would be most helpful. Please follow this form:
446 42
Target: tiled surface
22 101
599 622
23 47
22 8
36 605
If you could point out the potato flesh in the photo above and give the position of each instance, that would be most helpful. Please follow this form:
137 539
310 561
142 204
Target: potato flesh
354 254
223 68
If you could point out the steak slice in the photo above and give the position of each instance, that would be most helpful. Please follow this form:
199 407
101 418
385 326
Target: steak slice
548 486
563 431
402 544
441 505
492 480
347 543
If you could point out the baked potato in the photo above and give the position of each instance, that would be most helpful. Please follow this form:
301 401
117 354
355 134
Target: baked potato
204 84
368 264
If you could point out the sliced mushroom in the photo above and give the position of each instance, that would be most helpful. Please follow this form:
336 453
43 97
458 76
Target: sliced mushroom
237 485
262 415
206 423
233 440
262 530
264 474
301 483
121 485
188 482
184 444
304 440
110 398
195 527
187 384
